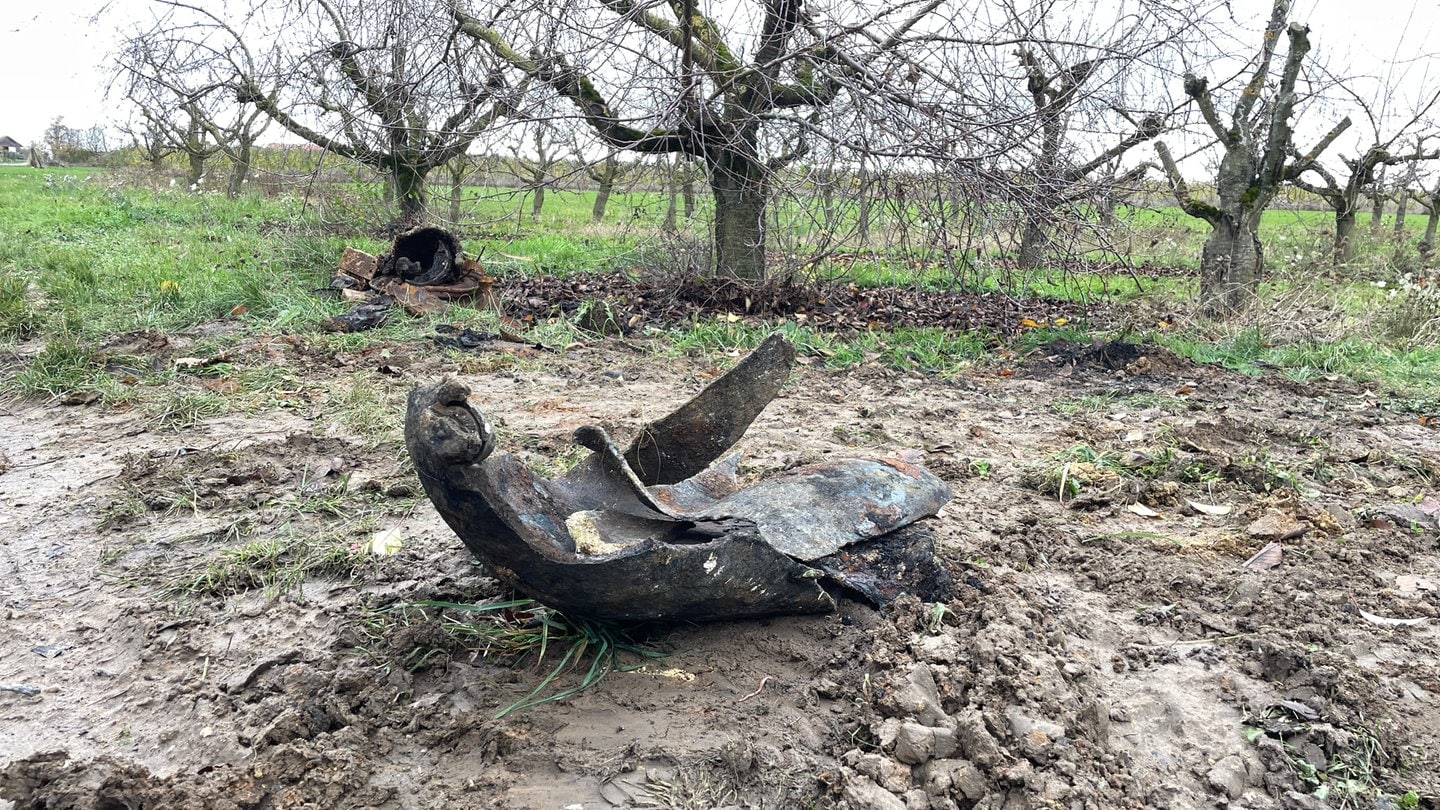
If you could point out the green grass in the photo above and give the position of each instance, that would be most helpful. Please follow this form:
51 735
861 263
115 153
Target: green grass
275 563
106 260
86 255
517 633
62 366
927 350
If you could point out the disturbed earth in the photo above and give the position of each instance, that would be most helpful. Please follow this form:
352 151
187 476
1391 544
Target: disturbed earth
1174 586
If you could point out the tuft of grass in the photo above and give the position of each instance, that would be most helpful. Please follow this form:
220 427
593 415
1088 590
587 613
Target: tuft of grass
1077 469
941 352
521 631
18 315
64 365
275 564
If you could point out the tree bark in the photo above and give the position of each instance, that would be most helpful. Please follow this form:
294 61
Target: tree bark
1377 211
1230 260
1344 236
602 199
1032 244
741 193
457 189
1230 264
410 189
687 197
239 170
1400 211
197 169
1427 243
672 191
862 206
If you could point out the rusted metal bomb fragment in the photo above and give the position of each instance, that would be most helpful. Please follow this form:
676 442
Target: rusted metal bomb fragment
663 530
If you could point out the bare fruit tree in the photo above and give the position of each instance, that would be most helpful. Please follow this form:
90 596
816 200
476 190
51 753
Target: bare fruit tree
387 85
746 88
1429 200
1089 83
1388 122
606 173
535 165
1259 155
148 140
1344 191
180 77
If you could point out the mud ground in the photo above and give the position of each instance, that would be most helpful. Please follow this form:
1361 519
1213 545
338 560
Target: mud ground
195 615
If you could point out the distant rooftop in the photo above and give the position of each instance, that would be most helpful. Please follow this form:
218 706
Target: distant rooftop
7 142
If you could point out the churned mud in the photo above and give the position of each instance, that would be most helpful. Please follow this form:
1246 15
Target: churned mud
1175 586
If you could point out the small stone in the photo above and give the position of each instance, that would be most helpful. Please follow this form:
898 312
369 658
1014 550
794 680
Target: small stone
916 800
954 778
936 649
1274 526
1022 725
916 744
884 771
914 697
975 740
969 780
1095 722
861 792
1228 776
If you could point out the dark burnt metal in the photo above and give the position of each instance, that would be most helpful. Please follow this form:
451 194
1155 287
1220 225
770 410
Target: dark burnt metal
422 256
663 530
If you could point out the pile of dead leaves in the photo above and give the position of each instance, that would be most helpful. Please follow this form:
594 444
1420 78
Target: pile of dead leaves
627 304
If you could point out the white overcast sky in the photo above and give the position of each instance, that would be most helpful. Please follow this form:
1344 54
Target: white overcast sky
54 53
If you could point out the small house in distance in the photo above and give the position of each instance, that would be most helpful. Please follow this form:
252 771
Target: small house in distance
11 149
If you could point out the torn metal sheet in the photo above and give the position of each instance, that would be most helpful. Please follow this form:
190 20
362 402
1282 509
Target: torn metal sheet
663 530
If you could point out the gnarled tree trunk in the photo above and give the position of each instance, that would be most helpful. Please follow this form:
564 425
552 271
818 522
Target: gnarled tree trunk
409 180
741 194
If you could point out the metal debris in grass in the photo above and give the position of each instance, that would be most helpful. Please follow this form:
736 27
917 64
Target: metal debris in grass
664 531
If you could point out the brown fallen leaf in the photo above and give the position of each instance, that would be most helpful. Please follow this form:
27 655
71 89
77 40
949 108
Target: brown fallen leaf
1266 558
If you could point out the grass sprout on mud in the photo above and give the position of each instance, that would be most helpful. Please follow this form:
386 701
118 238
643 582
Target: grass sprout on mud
1353 772
518 632
1078 469
274 564
178 410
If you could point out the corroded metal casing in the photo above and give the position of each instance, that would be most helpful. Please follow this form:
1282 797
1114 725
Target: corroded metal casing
663 531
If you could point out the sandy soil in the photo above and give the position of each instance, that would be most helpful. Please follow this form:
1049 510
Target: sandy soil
1106 645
